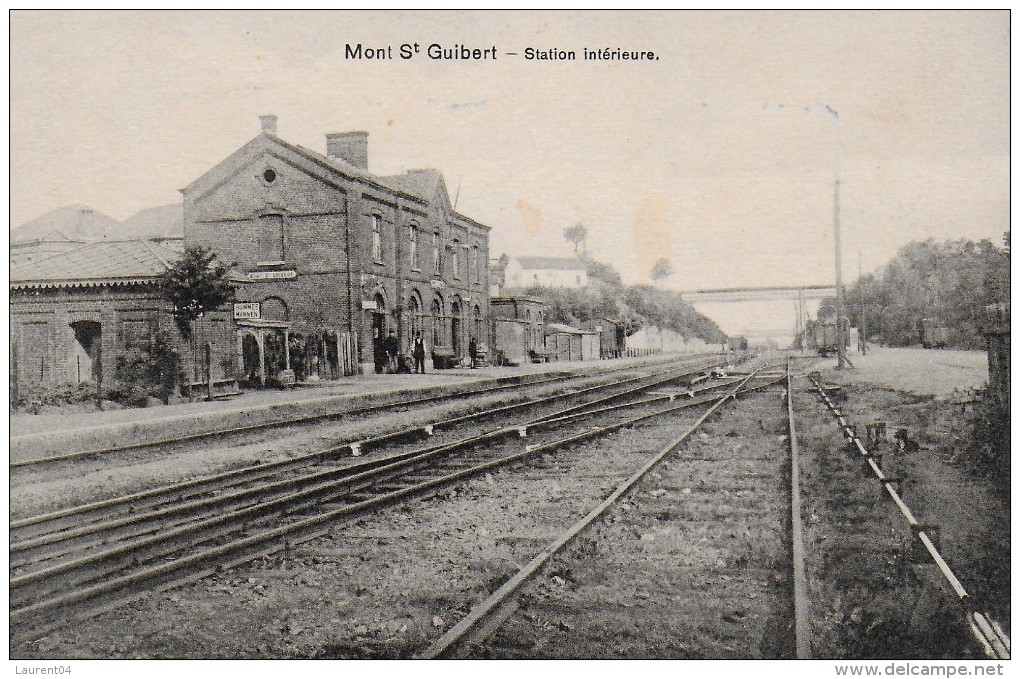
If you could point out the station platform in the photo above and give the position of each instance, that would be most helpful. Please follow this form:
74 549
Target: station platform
71 433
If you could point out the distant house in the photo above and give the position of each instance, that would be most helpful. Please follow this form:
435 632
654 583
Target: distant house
551 272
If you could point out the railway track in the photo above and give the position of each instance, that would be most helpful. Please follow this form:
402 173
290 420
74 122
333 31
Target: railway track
987 633
470 634
529 382
87 569
340 454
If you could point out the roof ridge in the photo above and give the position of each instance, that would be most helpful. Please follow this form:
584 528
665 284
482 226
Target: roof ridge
151 247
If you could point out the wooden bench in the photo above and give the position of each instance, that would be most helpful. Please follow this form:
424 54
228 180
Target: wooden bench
221 388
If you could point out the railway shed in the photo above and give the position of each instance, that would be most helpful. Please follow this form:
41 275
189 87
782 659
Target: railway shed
565 343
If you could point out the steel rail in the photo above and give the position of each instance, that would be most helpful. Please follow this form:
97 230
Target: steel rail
559 376
166 575
801 597
60 602
991 637
330 476
481 613
356 447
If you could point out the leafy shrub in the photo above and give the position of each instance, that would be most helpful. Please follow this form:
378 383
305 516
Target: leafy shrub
142 374
33 397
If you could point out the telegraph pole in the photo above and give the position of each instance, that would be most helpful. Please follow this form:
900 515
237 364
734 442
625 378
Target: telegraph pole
840 348
864 321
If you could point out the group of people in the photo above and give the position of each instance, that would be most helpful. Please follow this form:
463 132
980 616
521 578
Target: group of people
389 359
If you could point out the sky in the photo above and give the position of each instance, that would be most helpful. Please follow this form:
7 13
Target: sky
720 155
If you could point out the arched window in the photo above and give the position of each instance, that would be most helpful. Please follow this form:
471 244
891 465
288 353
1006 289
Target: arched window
456 258
437 312
275 309
414 312
413 246
376 238
435 252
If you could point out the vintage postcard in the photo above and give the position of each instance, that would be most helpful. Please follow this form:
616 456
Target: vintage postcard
546 335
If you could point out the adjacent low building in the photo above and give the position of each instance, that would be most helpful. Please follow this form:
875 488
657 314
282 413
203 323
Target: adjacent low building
74 313
518 329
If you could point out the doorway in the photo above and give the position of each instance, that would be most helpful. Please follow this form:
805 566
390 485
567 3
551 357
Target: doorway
455 328
88 338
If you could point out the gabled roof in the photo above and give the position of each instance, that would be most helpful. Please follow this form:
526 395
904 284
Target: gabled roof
162 221
266 140
71 222
551 263
96 264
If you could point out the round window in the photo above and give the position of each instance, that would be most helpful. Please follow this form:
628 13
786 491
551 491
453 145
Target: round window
269 176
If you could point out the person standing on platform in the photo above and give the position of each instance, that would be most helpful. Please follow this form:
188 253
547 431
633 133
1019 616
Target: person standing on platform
473 351
392 349
418 353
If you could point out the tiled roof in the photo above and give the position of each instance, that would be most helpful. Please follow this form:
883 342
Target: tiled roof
421 183
94 264
554 263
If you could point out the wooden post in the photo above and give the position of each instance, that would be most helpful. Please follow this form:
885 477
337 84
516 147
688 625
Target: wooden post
208 371
262 357
99 371
14 371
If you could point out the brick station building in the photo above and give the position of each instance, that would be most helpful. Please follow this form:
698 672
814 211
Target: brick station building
328 260
324 248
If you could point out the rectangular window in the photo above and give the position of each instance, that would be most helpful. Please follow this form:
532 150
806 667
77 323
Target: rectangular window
456 259
376 238
435 251
413 246
271 239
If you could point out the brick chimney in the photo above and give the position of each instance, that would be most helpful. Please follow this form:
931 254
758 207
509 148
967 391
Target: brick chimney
268 124
349 146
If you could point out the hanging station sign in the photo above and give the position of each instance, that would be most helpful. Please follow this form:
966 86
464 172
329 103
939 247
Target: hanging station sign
271 275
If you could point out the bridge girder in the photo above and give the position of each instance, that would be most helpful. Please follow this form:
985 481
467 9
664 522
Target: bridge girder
764 294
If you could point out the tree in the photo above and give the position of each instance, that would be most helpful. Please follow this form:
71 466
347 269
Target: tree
195 284
576 234
661 270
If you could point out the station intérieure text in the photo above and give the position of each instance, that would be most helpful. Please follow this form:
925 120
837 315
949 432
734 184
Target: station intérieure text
459 52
